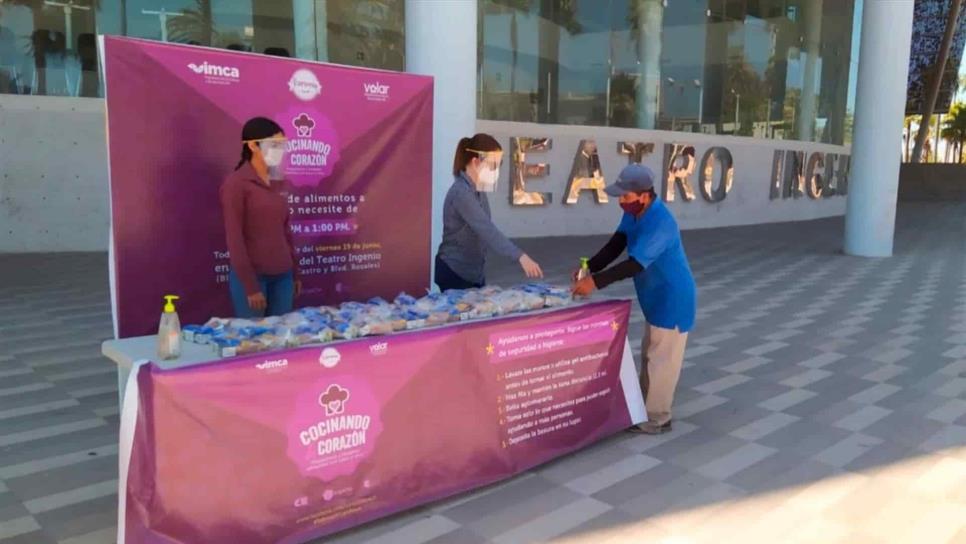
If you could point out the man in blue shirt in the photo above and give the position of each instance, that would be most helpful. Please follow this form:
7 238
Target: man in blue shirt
664 284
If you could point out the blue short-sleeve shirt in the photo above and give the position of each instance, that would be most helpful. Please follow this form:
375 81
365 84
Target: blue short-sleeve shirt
665 288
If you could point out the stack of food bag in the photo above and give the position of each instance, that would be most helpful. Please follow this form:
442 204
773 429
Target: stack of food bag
323 324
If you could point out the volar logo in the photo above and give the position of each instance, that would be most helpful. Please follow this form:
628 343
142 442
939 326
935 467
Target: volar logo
272 365
215 70
379 348
376 91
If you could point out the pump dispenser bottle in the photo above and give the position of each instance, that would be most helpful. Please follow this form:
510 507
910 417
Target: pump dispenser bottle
169 331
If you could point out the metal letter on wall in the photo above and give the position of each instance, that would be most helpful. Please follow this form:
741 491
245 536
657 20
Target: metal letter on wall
635 151
842 174
794 183
520 171
831 160
585 175
777 174
723 156
836 175
679 165
814 182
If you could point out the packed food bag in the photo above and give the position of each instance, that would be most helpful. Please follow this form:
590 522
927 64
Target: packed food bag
315 325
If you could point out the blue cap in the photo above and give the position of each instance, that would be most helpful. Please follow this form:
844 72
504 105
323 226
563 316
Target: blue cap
634 178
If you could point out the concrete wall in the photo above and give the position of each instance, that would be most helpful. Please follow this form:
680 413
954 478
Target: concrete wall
932 182
54 188
53 174
748 202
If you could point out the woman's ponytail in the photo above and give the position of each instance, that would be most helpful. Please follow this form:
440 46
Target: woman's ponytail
246 155
462 156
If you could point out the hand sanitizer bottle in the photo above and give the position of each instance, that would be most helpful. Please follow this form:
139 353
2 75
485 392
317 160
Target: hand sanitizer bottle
584 268
583 272
169 332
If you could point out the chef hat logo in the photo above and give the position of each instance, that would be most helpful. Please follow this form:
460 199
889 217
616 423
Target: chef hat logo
334 399
303 125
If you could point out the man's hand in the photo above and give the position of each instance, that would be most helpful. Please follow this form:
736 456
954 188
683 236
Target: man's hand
584 287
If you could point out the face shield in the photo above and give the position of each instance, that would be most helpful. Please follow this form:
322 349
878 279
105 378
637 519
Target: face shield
273 153
489 172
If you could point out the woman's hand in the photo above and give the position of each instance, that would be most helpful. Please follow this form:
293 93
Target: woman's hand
298 288
257 302
530 267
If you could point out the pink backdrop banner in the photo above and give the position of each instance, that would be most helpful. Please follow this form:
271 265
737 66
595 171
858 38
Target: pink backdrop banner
295 445
358 168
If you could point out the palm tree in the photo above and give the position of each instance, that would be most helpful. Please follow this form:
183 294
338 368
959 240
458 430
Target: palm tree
935 78
954 129
514 7
194 25
560 14
907 124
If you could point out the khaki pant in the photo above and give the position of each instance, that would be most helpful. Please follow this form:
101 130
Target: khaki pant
662 354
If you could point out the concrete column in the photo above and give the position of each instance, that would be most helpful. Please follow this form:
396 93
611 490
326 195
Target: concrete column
321 30
303 13
441 42
879 113
650 17
808 111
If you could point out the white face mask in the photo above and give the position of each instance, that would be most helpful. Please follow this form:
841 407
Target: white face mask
273 156
486 180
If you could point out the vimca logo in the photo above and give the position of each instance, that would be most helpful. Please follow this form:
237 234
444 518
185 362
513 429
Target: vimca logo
273 365
376 91
215 71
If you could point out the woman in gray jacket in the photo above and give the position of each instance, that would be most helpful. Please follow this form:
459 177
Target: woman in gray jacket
468 230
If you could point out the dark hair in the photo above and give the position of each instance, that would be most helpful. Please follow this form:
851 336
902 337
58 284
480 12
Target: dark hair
479 142
256 128
277 52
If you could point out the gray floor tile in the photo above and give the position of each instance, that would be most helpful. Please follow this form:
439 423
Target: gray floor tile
521 511
459 536
81 518
643 483
782 470
92 471
683 454
608 520
522 490
904 428
24 452
728 417
806 437
11 507
36 537
663 499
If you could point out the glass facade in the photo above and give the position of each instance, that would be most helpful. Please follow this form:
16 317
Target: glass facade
780 69
49 47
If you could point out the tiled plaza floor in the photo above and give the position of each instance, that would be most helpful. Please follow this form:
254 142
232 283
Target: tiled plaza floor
823 400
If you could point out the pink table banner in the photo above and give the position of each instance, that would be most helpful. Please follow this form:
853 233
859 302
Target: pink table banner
290 446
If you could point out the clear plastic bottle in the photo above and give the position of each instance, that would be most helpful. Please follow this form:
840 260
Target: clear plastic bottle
584 268
169 331
584 271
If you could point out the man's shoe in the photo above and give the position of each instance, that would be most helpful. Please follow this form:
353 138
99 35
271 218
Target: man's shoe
651 428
